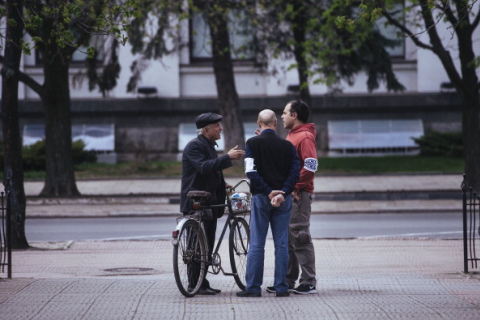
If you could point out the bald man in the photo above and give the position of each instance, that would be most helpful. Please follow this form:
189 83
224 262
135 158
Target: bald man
273 167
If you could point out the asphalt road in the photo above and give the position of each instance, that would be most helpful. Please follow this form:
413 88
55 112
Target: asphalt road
335 226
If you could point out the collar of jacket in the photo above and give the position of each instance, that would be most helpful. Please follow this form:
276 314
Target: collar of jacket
268 131
204 139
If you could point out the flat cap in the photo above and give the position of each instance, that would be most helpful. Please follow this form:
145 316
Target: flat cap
205 119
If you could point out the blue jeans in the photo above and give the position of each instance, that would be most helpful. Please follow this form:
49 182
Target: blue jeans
263 214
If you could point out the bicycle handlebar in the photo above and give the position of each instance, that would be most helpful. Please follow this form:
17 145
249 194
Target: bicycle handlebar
240 182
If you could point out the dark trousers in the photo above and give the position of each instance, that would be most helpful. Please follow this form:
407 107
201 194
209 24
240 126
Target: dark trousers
210 232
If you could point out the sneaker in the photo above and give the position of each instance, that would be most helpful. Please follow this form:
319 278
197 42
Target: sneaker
272 289
305 289
248 294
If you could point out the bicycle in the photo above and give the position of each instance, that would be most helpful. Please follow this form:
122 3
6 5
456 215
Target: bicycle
190 250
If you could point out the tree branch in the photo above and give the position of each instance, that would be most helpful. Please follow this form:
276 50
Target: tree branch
27 80
405 30
449 13
476 21
463 15
437 45
30 82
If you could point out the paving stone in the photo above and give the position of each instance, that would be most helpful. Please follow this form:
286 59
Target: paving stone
357 279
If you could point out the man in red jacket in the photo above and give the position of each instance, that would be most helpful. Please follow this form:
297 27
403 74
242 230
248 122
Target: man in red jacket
301 252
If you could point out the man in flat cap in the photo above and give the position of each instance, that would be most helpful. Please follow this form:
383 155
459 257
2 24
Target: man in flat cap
202 170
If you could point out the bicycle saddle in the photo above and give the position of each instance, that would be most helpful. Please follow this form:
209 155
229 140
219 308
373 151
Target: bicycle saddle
197 195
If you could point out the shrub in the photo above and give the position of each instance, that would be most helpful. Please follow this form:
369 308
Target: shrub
80 155
435 143
34 155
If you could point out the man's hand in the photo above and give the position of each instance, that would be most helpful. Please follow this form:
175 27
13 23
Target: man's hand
296 195
274 193
235 153
277 200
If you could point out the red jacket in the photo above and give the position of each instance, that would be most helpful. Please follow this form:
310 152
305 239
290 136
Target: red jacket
303 138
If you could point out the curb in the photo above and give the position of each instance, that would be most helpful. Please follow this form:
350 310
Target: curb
174 198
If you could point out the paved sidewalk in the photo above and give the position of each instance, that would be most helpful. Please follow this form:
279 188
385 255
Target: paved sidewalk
357 279
323 184
334 194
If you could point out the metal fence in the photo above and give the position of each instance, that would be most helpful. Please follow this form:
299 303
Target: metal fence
471 227
5 232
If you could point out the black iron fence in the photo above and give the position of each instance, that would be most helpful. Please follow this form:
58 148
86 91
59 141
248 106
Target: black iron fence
471 227
5 232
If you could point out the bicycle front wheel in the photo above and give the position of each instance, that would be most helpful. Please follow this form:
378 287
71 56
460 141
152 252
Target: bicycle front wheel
239 240
190 258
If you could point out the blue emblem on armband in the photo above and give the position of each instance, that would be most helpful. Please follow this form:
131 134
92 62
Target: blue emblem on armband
310 164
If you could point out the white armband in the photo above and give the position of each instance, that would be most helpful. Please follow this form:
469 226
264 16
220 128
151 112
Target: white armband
250 165
310 164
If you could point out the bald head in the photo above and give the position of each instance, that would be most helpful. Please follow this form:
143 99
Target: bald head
267 119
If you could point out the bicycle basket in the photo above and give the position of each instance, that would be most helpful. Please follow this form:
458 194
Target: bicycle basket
240 202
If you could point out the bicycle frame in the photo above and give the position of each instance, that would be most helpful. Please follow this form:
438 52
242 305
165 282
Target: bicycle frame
198 256
216 265
198 216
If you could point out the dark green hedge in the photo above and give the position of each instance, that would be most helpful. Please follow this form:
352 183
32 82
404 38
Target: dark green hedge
435 143
34 155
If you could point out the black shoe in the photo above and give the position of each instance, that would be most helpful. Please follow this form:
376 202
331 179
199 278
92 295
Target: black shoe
206 292
305 289
272 289
282 294
248 294
215 290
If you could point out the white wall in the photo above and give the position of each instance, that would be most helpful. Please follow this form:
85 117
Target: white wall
174 76
431 73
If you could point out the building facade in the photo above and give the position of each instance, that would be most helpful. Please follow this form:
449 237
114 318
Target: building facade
156 121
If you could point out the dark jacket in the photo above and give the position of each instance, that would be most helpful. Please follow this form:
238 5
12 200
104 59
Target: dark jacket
271 163
202 170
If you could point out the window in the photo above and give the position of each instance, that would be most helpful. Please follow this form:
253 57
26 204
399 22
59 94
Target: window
240 37
78 57
374 136
188 131
98 137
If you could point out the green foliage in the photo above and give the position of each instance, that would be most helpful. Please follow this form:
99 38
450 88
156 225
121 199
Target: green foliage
34 155
389 164
435 143
80 155
67 20
475 63
326 166
335 43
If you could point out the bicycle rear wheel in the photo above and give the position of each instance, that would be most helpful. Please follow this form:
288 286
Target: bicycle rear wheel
239 239
190 258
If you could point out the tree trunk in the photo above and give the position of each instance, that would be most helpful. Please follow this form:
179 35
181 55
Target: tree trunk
466 84
59 175
471 140
299 29
228 101
12 143
469 93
